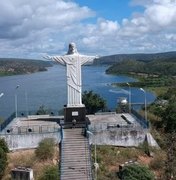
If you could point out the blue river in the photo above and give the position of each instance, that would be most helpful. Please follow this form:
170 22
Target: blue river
48 88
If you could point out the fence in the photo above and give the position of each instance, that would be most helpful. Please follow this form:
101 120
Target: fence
142 121
7 121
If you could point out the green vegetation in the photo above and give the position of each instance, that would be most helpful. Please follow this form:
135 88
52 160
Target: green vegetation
45 150
136 172
160 77
163 110
163 122
93 102
50 173
3 146
42 110
3 156
157 67
156 76
3 162
170 170
1 120
21 66
109 60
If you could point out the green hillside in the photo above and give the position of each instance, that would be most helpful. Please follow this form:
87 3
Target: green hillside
112 59
21 66
155 67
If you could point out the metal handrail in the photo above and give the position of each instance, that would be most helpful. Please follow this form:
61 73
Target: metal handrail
89 147
141 120
7 121
61 153
88 161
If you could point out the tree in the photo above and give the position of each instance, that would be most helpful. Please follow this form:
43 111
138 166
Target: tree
136 172
3 156
42 110
169 117
3 162
45 150
3 145
170 170
93 102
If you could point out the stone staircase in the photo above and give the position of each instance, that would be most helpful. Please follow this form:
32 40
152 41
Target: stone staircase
75 156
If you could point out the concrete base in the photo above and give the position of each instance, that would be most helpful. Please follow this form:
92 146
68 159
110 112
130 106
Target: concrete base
78 113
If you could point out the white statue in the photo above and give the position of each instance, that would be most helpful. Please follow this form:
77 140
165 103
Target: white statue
73 62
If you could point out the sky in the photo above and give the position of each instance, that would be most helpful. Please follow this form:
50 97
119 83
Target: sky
32 29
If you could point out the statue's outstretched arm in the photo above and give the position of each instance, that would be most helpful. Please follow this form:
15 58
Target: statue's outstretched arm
87 59
58 59
47 57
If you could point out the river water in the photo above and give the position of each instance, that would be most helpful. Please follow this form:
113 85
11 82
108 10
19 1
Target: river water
48 88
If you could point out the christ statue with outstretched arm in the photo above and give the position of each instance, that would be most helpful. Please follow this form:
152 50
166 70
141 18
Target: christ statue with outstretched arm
73 62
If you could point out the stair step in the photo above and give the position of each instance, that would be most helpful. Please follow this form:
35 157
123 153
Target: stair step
75 164
74 156
77 149
75 161
74 178
76 173
68 158
76 143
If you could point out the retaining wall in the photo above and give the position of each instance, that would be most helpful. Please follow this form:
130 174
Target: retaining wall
27 141
125 137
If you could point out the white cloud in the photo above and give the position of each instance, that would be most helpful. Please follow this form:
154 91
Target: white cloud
162 14
28 25
19 18
31 28
107 27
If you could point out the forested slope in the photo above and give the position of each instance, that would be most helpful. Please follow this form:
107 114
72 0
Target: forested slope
22 66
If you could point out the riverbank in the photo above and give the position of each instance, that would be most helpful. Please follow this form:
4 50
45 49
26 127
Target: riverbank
154 83
9 67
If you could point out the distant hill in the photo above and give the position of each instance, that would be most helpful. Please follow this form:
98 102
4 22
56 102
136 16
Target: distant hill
11 66
112 59
166 67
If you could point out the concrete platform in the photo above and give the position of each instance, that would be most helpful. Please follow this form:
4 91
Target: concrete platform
107 120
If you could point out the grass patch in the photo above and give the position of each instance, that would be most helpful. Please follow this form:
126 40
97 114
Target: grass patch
159 91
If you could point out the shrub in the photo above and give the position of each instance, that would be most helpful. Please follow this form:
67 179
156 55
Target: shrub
45 149
136 172
42 110
49 173
3 145
3 161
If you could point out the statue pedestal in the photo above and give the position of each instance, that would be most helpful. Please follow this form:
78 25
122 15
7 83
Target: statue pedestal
77 113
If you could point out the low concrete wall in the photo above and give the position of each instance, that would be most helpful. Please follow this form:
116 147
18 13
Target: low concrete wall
118 137
26 141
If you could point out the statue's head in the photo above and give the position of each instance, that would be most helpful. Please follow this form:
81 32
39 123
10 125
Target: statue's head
72 48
